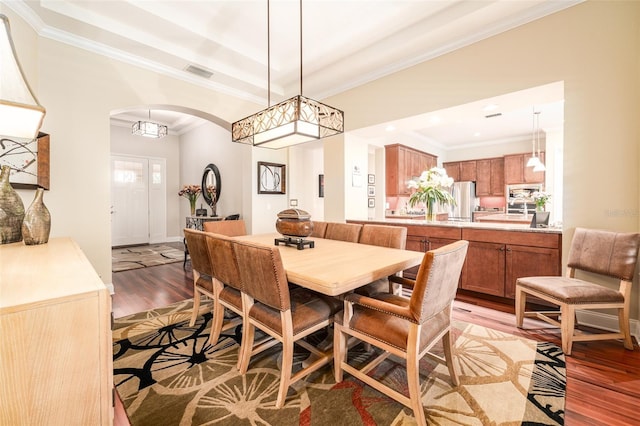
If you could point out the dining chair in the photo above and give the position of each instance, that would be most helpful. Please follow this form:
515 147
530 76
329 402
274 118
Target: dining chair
405 327
605 253
384 236
230 228
286 315
349 232
227 286
319 229
201 269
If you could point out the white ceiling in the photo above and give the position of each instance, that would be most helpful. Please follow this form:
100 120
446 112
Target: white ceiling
345 44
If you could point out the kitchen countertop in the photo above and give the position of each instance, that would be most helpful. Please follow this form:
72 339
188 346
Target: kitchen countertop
521 227
508 218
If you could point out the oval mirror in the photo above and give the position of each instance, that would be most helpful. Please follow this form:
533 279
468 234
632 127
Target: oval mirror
211 179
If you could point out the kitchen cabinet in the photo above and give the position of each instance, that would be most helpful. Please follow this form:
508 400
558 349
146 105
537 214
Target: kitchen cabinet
516 170
490 177
57 354
496 259
425 238
461 171
402 164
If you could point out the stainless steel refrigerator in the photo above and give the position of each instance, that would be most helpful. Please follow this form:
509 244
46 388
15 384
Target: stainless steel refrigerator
464 194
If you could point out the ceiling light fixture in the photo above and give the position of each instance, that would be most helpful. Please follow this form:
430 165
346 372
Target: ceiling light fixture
291 122
149 129
21 112
534 160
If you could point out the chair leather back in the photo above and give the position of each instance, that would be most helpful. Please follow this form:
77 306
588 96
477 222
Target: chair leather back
262 274
349 232
384 236
437 280
223 260
197 245
604 252
319 229
230 228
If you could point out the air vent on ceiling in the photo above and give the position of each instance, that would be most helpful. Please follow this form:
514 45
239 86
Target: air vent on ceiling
497 114
198 71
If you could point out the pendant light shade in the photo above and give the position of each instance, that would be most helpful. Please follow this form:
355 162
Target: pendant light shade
534 160
149 129
291 122
21 114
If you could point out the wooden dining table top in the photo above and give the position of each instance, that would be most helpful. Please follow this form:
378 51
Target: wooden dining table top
335 267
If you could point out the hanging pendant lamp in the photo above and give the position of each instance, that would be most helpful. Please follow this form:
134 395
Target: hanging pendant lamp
21 114
291 122
149 129
534 160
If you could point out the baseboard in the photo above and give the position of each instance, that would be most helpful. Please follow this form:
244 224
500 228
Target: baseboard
172 240
606 322
111 288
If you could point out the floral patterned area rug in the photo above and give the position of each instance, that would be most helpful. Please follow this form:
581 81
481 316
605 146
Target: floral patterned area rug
127 258
167 374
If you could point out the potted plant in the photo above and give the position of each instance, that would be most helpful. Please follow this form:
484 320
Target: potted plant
431 188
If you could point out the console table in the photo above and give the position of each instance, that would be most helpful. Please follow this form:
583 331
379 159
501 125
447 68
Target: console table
195 222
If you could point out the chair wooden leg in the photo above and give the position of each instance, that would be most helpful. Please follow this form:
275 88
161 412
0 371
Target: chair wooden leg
218 320
285 373
339 351
521 302
246 347
568 314
623 321
448 356
413 376
196 306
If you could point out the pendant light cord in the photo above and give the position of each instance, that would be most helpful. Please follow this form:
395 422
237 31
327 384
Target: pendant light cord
300 47
268 57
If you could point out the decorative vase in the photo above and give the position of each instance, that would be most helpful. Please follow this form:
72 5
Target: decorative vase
430 215
192 204
539 207
37 221
11 210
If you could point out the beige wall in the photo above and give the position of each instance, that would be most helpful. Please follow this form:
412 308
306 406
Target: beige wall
593 47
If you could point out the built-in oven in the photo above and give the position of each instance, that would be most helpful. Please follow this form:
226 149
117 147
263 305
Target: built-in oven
520 197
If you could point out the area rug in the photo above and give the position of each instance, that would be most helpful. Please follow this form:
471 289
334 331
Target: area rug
126 258
167 374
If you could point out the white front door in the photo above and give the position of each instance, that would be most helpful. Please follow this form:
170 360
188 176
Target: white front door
129 200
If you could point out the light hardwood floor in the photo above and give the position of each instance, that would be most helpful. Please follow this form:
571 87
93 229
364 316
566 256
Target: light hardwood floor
603 379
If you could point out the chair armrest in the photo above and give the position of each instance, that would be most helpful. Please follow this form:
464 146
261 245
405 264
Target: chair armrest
401 280
380 306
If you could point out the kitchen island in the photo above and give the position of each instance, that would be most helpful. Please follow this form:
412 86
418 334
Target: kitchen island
499 253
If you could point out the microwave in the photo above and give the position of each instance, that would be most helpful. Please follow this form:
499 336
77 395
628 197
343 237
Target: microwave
519 198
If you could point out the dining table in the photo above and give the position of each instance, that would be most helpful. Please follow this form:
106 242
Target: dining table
334 267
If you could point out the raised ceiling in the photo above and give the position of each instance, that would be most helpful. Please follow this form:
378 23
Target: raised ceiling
345 43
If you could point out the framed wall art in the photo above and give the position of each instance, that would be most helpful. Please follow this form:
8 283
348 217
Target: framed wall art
28 159
272 178
372 203
371 191
371 179
321 186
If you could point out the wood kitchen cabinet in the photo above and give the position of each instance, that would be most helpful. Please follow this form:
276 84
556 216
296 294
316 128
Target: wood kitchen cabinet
490 177
461 171
496 259
516 170
425 238
57 358
402 164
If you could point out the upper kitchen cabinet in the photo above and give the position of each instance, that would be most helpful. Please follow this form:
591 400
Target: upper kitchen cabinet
461 171
402 164
516 170
490 177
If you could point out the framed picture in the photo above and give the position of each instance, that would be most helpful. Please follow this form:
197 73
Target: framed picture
28 159
321 186
271 178
371 179
372 203
371 191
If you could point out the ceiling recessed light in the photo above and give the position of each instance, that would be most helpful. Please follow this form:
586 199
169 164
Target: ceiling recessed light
476 134
434 119
490 107
390 128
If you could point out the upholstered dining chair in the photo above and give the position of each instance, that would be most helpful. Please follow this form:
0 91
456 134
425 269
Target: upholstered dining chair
349 232
319 229
606 253
230 228
201 268
286 315
405 327
384 236
226 284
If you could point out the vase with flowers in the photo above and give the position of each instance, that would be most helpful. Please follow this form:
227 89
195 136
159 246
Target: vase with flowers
191 193
431 188
541 199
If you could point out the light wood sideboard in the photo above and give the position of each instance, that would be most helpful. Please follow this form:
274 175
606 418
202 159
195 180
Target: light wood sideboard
56 363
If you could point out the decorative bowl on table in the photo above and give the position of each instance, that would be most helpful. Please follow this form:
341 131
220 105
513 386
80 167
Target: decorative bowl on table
294 223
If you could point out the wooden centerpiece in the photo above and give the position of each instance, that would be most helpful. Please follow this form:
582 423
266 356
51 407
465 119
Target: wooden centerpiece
294 225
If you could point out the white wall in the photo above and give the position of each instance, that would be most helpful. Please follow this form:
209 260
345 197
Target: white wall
265 207
305 165
206 144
